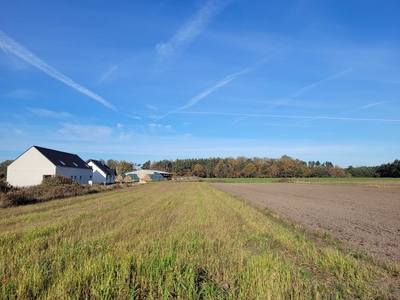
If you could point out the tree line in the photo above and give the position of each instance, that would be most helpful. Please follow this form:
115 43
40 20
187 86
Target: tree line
286 166
243 167
384 170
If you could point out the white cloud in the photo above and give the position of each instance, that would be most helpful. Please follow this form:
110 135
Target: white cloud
154 126
152 107
107 74
120 126
48 113
20 94
12 46
191 29
208 91
243 115
299 92
18 131
85 132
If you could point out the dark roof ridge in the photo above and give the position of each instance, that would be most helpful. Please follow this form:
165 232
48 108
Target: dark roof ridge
62 159
106 169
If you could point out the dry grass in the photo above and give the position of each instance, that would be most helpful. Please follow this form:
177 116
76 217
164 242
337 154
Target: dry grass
172 240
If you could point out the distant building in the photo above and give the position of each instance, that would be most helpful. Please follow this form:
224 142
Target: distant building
37 163
101 172
142 173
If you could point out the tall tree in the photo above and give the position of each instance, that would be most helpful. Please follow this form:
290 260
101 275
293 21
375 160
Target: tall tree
249 171
146 165
124 167
199 171
112 164
3 168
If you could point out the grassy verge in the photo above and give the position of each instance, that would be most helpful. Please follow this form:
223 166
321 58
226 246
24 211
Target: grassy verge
173 240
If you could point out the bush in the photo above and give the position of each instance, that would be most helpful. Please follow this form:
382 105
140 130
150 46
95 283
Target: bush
59 180
5 186
51 188
284 180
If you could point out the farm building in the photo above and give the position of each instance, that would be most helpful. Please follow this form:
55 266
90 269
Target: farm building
37 163
142 173
101 172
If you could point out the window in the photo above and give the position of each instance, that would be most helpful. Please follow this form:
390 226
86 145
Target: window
72 177
62 162
75 164
75 177
80 177
90 177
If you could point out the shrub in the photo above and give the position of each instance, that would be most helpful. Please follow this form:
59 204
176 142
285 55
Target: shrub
51 188
58 180
5 186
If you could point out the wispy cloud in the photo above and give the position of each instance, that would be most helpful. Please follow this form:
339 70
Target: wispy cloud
373 104
20 94
291 116
8 44
191 29
152 107
84 132
299 92
253 67
48 113
108 73
208 91
155 126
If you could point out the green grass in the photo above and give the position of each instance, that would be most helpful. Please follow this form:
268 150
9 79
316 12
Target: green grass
174 240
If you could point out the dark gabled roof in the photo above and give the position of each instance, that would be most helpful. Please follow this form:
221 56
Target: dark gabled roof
63 159
103 167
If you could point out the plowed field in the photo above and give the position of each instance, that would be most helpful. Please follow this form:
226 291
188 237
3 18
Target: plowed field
368 219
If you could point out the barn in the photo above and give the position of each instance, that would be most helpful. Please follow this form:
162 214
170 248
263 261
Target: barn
37 163
142 173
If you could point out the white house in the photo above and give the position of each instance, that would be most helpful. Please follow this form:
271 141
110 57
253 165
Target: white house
37 163
101 172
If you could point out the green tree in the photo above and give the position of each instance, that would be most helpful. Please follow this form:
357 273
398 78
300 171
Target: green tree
124 167
249 171
146 165
112 164
199 171
3 168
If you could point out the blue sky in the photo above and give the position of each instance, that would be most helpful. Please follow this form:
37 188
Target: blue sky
152 80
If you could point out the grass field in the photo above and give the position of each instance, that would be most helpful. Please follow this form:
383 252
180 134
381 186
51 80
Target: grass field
183 240
368 182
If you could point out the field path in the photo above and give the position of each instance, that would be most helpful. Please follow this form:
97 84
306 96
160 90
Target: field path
366 218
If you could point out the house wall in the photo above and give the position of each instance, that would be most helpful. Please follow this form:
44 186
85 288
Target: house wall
99 176
29 169
79 175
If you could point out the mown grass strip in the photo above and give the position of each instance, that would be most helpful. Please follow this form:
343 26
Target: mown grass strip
172 240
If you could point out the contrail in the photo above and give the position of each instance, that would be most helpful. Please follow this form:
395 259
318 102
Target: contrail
6 43
299 92
191 29
249 69
291 116
208 91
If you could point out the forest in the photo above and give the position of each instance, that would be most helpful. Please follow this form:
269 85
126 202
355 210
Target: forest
284 167
243 167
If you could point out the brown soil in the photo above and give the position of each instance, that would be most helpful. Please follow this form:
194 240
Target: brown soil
366 218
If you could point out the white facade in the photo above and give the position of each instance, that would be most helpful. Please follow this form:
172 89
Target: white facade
29 169
32 167
101 176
